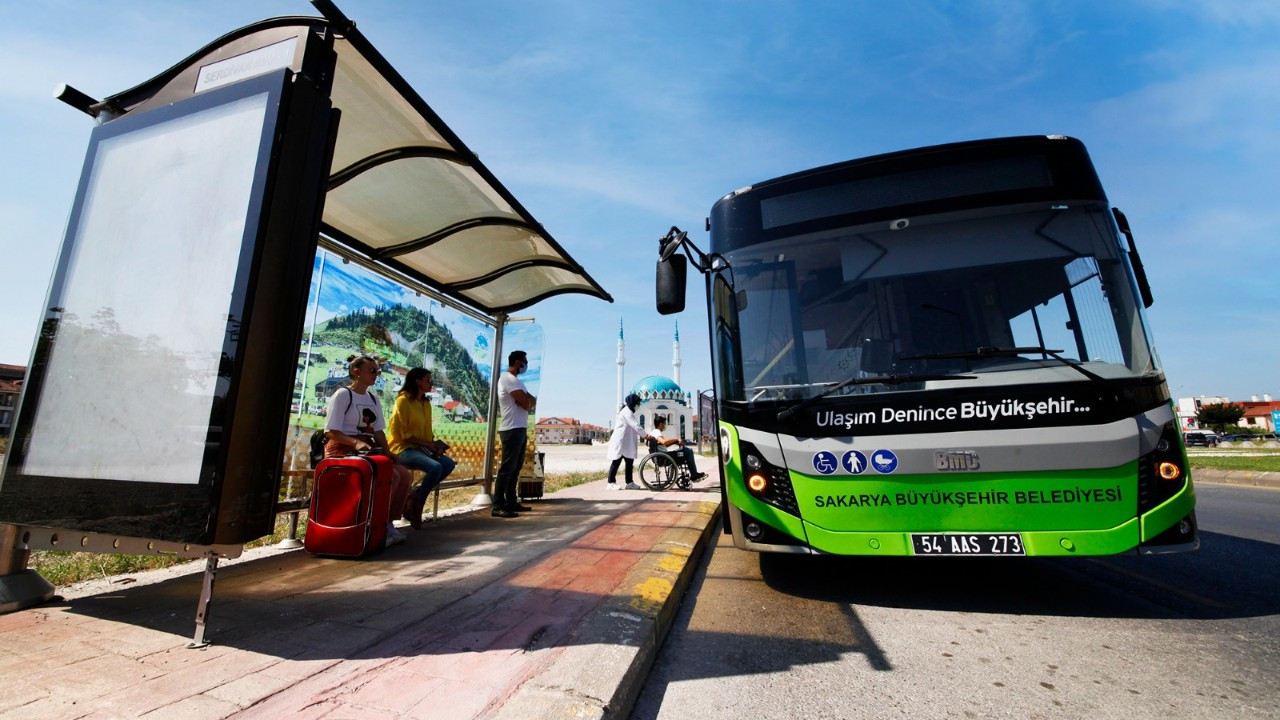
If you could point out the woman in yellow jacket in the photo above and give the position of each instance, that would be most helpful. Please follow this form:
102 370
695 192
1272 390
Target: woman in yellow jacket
410 437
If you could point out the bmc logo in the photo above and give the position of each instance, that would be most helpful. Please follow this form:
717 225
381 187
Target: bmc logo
955 460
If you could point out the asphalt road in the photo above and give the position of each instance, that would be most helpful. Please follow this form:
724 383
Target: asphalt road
1187 636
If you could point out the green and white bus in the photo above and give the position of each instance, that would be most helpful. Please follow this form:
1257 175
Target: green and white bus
940 351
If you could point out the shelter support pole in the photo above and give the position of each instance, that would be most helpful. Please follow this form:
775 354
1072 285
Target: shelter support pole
291 537
20 587
206 597
491 429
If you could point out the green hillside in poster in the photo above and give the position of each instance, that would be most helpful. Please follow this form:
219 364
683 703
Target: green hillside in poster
402 335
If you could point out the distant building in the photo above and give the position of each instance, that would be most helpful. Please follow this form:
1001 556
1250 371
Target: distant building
1258 413
567 431
662 397
1189 407
327 387
10 388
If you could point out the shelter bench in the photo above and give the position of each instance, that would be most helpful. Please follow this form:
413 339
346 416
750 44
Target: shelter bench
298 484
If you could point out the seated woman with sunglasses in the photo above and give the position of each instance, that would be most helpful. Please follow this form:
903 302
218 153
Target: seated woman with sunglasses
411 439
355 425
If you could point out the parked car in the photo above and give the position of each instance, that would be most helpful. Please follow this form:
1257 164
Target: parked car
1199 439
1267 436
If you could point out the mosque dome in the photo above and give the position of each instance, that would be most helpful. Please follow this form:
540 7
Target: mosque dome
656 387
655 384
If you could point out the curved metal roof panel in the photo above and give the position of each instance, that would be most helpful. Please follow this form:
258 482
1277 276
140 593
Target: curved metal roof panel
404 192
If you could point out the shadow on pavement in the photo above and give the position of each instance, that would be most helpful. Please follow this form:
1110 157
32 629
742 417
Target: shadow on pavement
1219 581
455 587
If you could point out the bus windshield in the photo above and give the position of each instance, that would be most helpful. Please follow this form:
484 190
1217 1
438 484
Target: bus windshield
971 292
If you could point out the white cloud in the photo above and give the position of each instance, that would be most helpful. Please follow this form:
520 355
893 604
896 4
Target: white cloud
1231 13
1236 107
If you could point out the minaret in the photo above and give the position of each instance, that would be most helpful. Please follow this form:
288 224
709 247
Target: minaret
622 360
675 356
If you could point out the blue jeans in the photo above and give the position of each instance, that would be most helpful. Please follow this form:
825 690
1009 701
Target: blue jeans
436 469
688 459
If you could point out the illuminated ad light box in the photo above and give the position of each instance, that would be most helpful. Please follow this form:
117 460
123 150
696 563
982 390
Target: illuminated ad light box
157 399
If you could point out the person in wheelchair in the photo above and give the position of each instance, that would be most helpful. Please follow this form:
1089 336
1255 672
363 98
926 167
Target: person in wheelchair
681 454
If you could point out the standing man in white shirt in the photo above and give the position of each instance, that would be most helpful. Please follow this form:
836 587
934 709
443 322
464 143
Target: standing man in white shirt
516 403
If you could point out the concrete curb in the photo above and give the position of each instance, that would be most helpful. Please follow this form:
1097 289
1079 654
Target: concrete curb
600 674
1247 478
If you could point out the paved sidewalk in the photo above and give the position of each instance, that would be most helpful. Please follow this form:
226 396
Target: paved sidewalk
555 614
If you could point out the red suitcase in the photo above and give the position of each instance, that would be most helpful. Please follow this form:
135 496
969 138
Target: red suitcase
350 506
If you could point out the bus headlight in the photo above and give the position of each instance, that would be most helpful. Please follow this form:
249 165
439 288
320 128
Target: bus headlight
765 481
1162 472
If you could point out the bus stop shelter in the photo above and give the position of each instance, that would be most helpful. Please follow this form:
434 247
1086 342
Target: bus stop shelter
352 159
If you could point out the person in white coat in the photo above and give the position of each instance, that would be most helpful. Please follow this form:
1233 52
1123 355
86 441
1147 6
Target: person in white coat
622 443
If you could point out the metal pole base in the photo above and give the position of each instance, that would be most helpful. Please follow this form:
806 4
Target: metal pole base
291 540
206 597
482 500
23 590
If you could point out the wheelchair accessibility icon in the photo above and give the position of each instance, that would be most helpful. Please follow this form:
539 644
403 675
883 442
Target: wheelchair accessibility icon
824 462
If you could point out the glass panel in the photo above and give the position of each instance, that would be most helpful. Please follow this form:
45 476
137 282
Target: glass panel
948 181
818 309
360 312
132 372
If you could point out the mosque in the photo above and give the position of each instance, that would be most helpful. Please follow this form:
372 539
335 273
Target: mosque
659 396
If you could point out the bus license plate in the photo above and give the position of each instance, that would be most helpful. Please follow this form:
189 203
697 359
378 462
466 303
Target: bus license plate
967 544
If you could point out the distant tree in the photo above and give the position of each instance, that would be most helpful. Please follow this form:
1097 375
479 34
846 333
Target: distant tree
1219 417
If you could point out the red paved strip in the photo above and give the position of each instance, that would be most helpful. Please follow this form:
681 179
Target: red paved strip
470 657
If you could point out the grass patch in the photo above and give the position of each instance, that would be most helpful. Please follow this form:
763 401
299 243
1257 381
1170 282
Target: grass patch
1261 463
64 568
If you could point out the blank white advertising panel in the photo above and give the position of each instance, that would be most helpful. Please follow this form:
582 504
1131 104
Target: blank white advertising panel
144 312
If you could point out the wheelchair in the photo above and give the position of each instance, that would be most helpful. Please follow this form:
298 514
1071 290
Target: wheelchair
660 469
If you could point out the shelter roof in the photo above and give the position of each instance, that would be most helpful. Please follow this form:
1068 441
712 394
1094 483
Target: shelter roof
405 195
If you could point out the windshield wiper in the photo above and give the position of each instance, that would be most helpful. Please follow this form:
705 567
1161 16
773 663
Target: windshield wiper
989 352
871 380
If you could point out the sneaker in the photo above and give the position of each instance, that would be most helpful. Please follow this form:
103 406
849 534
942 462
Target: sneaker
700 476
611 486
633 486
394 536
503 513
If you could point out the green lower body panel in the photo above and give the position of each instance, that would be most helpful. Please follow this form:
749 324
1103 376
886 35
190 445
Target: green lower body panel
1060 513
1039 543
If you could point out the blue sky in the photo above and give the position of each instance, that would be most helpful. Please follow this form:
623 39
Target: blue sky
611 122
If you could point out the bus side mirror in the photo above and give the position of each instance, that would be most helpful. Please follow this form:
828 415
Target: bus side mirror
1139 272
671 278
